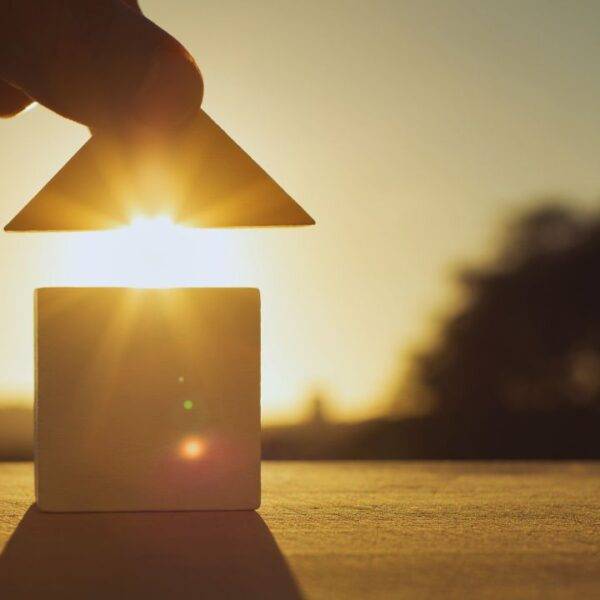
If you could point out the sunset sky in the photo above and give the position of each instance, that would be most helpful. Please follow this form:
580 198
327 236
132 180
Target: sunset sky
409 130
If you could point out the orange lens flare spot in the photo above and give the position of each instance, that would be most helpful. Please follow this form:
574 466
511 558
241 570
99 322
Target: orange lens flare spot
193 448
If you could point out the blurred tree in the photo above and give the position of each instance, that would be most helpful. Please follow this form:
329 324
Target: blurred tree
317 404
528 336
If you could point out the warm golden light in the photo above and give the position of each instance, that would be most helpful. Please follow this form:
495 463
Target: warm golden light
193 448
179 256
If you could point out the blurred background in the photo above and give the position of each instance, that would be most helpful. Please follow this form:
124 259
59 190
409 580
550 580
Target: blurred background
447 304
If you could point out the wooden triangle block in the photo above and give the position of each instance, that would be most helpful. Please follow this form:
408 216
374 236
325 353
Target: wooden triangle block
199 177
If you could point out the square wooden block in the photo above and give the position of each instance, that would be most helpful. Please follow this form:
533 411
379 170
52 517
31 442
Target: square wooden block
147 399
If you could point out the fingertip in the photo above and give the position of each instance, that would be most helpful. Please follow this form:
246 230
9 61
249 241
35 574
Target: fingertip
171 91
12 100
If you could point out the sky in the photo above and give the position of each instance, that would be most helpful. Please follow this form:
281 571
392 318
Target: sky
409 130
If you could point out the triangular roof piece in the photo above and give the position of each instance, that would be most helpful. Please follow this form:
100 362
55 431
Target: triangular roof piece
200 178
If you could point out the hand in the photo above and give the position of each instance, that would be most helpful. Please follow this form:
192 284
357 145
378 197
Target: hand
98 62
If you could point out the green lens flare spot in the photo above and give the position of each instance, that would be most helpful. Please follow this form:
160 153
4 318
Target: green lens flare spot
188 404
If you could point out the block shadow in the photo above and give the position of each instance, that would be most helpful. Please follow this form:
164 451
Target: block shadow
144 555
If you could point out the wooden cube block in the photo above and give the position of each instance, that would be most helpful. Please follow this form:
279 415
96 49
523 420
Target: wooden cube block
147 399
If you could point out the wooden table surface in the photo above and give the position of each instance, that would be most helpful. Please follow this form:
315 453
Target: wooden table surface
325 530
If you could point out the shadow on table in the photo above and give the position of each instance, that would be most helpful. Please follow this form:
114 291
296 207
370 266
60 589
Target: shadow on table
144 555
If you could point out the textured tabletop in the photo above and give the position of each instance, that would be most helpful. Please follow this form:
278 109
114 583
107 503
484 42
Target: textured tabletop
325 530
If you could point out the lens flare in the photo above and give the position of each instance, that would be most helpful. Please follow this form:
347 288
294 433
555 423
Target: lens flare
193 448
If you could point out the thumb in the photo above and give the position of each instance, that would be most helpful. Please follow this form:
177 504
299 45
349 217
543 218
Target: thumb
99 62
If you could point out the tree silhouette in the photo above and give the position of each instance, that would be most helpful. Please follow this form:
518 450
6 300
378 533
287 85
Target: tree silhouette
528 337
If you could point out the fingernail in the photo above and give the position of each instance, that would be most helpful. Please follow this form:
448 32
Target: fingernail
171 91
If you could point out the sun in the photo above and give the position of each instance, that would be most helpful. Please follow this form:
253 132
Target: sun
155 248
160 225
153 251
